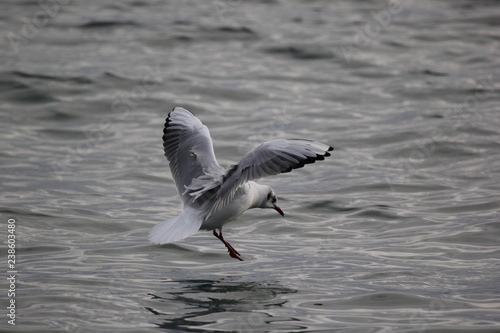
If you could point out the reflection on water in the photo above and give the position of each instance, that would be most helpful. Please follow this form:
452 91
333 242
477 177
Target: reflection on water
242 304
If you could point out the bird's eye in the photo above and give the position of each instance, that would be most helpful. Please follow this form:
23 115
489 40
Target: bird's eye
269 196
274 200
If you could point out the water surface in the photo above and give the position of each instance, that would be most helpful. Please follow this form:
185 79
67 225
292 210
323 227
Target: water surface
397 232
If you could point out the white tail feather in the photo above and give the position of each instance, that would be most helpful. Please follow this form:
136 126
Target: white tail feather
180 227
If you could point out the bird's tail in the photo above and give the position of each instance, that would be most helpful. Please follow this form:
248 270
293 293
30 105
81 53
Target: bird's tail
180 227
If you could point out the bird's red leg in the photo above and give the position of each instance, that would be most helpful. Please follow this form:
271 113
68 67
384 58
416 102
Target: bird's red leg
232 252
229 246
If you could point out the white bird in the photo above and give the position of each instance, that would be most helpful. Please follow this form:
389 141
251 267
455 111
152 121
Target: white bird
212 196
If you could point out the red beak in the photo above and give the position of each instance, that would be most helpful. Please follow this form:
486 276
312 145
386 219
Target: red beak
279 210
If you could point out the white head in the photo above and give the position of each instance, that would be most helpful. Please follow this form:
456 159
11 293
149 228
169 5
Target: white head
269 199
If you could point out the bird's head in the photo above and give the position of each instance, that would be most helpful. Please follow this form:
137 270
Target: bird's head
272 201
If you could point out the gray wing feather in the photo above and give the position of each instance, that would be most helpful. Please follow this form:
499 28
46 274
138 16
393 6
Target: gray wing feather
189 150
267 159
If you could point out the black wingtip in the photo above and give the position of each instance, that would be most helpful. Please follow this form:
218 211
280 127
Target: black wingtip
167 123
327 152
167 120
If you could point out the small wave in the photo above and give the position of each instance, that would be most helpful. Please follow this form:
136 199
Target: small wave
433 73
224 33
383 300
42 249
62 134
376 213
238 30
107 24
75 79
301 52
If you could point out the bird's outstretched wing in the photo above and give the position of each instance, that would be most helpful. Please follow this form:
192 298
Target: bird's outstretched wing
267 159
189 149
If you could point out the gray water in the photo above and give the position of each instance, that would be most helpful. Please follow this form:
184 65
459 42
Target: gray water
398 231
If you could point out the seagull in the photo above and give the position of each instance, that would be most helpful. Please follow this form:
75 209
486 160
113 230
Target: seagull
213 196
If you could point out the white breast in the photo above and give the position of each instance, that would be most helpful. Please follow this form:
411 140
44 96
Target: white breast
243 200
